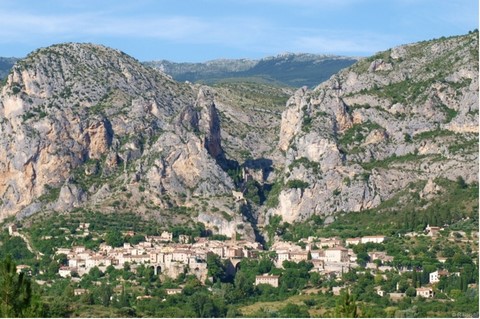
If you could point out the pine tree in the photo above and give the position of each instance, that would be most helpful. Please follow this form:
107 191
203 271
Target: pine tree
15 290
346 307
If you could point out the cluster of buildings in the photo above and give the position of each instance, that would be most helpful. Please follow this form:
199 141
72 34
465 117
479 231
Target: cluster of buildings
329 256
165 257
172 259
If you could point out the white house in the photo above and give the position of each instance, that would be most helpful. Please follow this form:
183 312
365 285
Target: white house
436 275
282 256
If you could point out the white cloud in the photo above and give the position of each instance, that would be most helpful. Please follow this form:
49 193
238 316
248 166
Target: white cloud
226 31
353 42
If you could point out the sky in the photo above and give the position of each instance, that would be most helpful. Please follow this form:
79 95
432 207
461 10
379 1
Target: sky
201 30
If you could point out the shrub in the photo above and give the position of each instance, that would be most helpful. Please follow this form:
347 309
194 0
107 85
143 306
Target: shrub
296 183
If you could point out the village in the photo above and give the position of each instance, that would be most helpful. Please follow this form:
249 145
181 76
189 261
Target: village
330 257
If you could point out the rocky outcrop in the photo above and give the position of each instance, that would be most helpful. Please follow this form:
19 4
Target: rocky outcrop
209 122
388 121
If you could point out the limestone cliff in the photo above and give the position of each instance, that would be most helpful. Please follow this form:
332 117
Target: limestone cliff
83 125
405 115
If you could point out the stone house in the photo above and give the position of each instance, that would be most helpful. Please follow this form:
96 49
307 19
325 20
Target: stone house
181 255
317 254
12 229
425 292
336 254
65 271
183 239
329 242
233 252
373 239
395 296
353 241
432 230
282 256
271 280
79 291
297 256
380 291
173 291
97 261
78 249
76 263
65 251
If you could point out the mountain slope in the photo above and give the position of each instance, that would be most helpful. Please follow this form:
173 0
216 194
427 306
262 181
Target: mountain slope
404 116
294 70
87 126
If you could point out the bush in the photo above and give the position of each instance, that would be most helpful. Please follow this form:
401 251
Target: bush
296 183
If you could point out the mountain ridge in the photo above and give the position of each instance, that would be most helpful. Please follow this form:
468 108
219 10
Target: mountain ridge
290 69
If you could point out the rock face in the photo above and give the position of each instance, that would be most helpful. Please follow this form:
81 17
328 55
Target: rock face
405 115
87 126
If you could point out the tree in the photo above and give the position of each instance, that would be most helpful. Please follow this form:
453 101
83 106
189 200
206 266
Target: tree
62 259
104 293
411 292
243 284
346 307
294 311
123 299
114 238
264 266
204 306
135 239
461 182
315 278
95 273
215 267
15 290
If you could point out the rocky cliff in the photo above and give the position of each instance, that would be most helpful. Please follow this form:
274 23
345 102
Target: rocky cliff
87 126
405 115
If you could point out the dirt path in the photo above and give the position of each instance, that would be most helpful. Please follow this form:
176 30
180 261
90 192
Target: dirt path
27 242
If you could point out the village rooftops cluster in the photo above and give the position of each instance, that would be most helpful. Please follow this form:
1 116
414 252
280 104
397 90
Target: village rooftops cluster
168 258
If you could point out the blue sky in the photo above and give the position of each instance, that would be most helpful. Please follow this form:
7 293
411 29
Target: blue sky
200 30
